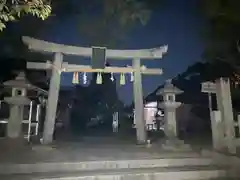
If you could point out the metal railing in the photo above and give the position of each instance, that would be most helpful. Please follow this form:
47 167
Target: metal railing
32 123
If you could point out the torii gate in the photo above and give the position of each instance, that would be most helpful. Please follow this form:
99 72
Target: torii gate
58 65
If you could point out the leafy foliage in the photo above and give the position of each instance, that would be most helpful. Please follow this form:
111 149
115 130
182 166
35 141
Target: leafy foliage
103 23
223 35
112 21
11 10
206 73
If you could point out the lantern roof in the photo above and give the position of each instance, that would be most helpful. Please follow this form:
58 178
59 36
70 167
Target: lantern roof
169 88
21 82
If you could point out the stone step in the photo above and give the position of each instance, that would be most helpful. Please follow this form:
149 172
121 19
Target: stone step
222 159
74 154
170 173
103 165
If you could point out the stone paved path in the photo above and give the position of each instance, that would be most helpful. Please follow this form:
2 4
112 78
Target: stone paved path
84 149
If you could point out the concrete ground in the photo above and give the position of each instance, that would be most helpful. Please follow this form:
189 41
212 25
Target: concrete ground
83 149
93 147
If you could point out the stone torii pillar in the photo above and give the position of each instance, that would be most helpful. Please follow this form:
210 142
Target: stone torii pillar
224 102
222 120
51 108
138 101
57 65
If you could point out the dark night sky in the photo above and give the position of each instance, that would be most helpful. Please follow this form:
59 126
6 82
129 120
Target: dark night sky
177 24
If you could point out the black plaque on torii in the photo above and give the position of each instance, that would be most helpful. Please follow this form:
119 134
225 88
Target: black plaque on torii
98 60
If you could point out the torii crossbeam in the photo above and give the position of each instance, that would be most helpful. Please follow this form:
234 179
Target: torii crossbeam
58 65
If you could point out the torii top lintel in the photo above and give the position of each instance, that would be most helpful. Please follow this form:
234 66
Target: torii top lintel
49 47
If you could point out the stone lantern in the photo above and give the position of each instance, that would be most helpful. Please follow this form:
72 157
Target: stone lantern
17 102
170 105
